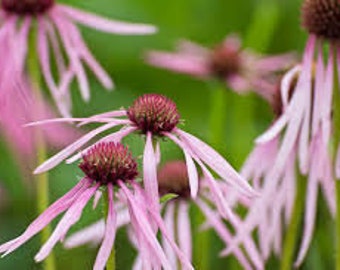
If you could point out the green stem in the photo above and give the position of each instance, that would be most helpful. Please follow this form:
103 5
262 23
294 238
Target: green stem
292 233
41 180
336 140
216 134
111 262
217 114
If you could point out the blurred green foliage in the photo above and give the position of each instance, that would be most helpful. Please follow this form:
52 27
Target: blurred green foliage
269 26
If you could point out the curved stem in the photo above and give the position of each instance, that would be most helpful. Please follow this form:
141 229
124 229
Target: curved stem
41 180
292 233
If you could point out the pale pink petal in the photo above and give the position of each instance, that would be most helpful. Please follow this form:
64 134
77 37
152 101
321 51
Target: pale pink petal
63 29
216 162
169 220
144 228
86 55
56 159
192 173
110 233
106 25
181 63
96 199
45 218
184 229
71 217
150 172
286 84
223 233
92 234
115 137
45 64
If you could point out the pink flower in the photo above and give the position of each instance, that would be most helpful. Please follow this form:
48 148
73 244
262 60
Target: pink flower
173 179
108 165
300 136
155 116
58 33
241 70
19 108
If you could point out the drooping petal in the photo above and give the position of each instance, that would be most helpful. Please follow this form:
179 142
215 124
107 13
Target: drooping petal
110 233
150 172
70 218
46 217
144 228
56 159
184 229
192 174
216 162
106 25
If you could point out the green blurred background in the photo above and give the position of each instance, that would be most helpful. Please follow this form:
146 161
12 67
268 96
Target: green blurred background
268 26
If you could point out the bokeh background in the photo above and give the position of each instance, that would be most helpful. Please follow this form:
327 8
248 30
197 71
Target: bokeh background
267 26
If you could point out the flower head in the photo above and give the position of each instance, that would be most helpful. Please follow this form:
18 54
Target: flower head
173 178
321 18
154 115
110 165
240 69
58 33
26 7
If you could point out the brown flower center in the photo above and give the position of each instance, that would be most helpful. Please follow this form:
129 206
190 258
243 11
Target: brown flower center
225 61
108 163
173 178
27 7
322 18
154 113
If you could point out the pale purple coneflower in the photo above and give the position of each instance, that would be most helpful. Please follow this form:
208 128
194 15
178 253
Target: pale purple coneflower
299 137
241 69
109 166
58 33
173 179
154 116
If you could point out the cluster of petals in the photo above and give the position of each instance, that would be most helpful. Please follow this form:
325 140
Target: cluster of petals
126 193
57 33
176 216
193 148
301 137
247 70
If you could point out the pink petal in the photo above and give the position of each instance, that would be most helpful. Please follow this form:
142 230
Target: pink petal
184 229
92 234
110 233
71 217
180 63
216 162
56 159
45 218
143 227
169 219
192 173
150 172
106 25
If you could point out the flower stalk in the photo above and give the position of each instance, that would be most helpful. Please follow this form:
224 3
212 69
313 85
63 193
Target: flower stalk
41 180
111 262
292 233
